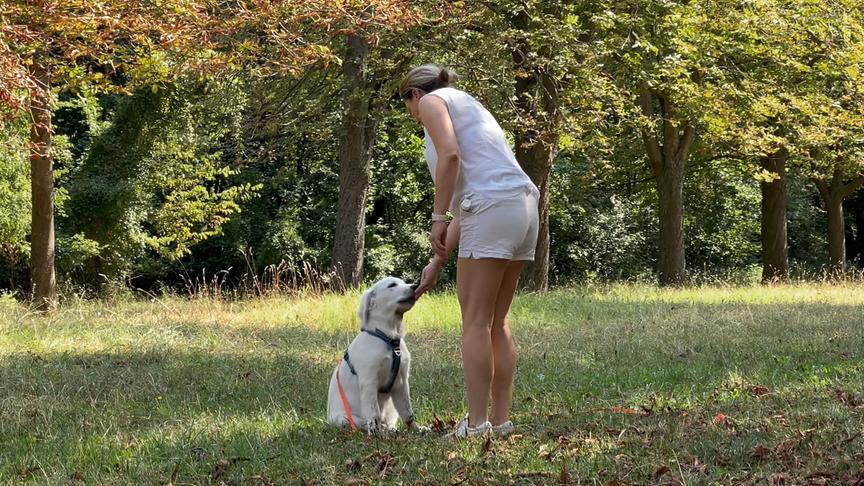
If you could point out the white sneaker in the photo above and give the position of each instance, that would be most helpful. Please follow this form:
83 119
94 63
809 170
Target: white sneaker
503 430
463 430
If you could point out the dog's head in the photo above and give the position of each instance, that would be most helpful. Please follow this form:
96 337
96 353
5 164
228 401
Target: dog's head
385 299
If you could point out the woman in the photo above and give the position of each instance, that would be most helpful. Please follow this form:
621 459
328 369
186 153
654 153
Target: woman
495 222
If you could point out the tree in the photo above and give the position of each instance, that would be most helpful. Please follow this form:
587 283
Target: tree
64 44
655 55
48 43
375 60
800 65
540 65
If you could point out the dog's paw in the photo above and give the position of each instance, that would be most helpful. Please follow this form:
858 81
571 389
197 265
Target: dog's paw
376 427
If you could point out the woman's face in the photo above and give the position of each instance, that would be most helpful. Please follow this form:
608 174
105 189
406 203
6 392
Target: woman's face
412 104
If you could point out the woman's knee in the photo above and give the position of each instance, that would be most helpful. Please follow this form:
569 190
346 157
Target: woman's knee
500 326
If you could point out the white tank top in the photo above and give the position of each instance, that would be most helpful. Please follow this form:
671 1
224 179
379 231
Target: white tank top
488 167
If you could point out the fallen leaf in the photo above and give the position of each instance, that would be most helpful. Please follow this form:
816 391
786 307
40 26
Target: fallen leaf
760 452
848 399
779 418
564 477
779 479
757 390
353 465
720 418
487 445
624 410
263 479
220 469
385 464
545 453
661 470
439 425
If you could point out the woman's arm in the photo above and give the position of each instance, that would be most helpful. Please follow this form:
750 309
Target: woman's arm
450 244
436 119
429 276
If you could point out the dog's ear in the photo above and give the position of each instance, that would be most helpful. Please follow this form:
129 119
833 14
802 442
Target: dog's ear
367 303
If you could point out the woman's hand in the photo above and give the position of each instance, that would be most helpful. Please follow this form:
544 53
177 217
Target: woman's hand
438 238
429 277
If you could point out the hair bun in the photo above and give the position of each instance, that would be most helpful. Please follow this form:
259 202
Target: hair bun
446 76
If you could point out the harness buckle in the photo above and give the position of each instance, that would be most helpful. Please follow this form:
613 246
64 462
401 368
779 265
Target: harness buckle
397 351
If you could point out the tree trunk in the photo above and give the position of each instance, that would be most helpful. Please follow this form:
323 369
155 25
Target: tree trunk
670 191
859 234
536 161
42 191
668 162
536 143
833 194
775 249
836 237
359 129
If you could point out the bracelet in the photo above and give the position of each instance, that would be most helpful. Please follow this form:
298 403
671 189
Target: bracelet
439 217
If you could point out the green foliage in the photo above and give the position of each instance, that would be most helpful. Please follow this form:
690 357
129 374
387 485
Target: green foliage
722 219
239 173
14 204
155 179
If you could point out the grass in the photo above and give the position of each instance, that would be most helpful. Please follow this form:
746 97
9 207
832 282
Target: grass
616 385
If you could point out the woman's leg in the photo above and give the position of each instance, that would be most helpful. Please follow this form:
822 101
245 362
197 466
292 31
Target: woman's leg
478 284
503 350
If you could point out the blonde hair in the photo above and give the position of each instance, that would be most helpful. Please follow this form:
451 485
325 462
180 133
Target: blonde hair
426 78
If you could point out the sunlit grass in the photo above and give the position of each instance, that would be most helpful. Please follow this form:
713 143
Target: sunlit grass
614 383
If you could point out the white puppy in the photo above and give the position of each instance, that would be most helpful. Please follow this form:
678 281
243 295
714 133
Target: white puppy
369 387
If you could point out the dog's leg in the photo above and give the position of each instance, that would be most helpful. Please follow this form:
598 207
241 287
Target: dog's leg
401 394
371 411
389 415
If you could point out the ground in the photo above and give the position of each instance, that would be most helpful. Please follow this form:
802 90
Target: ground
616 385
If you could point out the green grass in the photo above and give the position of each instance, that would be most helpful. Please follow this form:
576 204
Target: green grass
723 385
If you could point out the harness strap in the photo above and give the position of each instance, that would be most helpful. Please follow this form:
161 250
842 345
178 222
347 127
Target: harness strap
394 364
345 406
397 357
348 362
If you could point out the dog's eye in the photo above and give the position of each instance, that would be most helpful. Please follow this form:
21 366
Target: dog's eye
391 285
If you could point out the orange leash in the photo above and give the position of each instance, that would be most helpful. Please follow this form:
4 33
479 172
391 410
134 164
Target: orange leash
345 401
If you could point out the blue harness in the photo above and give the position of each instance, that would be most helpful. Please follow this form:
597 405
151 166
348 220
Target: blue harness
394 366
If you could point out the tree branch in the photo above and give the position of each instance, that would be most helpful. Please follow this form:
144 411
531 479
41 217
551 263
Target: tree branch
852 186
655 157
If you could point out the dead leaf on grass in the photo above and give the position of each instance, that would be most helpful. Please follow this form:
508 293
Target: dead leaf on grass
761 452
624 410
546 453
487 444
353 465
849 399
779 479
564 477
698 466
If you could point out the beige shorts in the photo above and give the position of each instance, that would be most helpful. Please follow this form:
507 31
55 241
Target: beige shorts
500 227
